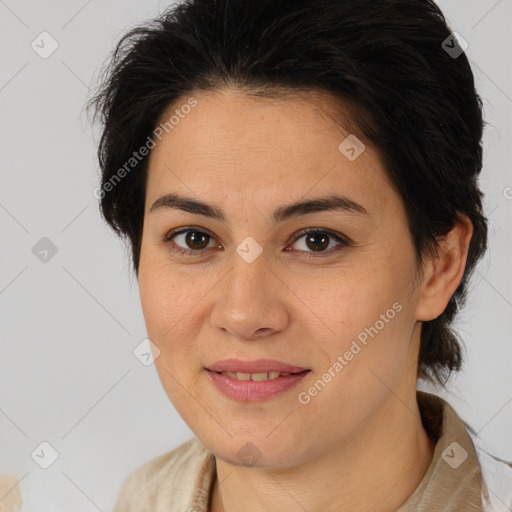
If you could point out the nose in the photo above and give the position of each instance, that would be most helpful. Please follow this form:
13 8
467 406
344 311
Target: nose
250 300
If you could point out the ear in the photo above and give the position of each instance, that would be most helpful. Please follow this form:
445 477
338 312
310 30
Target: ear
444 271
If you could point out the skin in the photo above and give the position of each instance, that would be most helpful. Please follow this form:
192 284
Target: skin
359 443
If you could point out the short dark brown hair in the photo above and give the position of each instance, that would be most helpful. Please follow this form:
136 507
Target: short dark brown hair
394 64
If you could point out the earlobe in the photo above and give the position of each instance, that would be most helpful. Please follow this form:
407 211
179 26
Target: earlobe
444 271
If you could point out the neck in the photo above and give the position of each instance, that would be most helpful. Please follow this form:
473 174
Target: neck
377 469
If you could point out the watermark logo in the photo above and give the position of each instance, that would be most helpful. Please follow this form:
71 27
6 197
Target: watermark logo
454 455
249 249
44 455
454 45
44 45
146 352
249 454
44 250
351 147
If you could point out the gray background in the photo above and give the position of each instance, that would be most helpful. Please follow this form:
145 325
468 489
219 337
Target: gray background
68 326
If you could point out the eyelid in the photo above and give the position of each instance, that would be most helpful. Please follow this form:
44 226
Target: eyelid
338 237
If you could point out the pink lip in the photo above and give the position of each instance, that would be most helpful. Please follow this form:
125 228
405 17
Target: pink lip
258 366
254 390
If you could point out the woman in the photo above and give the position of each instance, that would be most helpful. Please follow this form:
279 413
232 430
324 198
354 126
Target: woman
298 184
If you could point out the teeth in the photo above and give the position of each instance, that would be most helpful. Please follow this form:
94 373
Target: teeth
255 376
259 376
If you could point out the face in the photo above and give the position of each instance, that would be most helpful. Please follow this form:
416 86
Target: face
338 303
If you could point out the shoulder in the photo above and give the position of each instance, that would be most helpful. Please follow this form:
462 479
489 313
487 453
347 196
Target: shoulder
481 482
497 478
175 479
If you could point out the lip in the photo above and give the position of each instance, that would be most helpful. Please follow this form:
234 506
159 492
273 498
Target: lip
257 366
254 390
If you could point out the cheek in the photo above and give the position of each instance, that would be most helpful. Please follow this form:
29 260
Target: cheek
154 299
374 340
350 300
164 297
360 364
367 320
171 310
167 315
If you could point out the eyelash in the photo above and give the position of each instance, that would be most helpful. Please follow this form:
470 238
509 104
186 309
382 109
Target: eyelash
188 252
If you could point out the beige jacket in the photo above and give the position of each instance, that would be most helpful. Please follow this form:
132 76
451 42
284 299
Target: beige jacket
461 477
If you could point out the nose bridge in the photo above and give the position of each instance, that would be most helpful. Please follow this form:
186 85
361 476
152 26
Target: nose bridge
246 303
249 269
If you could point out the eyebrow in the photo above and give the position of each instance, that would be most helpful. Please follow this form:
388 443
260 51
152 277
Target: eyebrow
319 204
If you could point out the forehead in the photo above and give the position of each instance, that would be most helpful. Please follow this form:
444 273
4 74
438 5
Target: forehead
266 148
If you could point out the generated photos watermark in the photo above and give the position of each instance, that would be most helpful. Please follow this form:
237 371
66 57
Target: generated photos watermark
143 151
344 359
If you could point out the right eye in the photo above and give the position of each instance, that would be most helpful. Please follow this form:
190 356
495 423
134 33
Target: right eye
193 241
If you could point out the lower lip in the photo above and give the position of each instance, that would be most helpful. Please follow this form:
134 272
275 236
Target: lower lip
255 390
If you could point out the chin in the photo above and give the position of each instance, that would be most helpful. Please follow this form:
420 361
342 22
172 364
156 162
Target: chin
253 450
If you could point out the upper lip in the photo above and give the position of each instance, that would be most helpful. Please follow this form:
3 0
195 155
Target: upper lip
257 366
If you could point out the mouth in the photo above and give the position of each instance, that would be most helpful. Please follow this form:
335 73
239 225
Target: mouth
259 376
254 380
259 366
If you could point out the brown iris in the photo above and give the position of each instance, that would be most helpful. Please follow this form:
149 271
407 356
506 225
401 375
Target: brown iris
196 237
319 241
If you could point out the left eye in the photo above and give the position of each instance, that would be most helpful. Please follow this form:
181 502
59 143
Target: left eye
318 241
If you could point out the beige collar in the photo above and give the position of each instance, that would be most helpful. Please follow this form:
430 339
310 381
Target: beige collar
452 483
